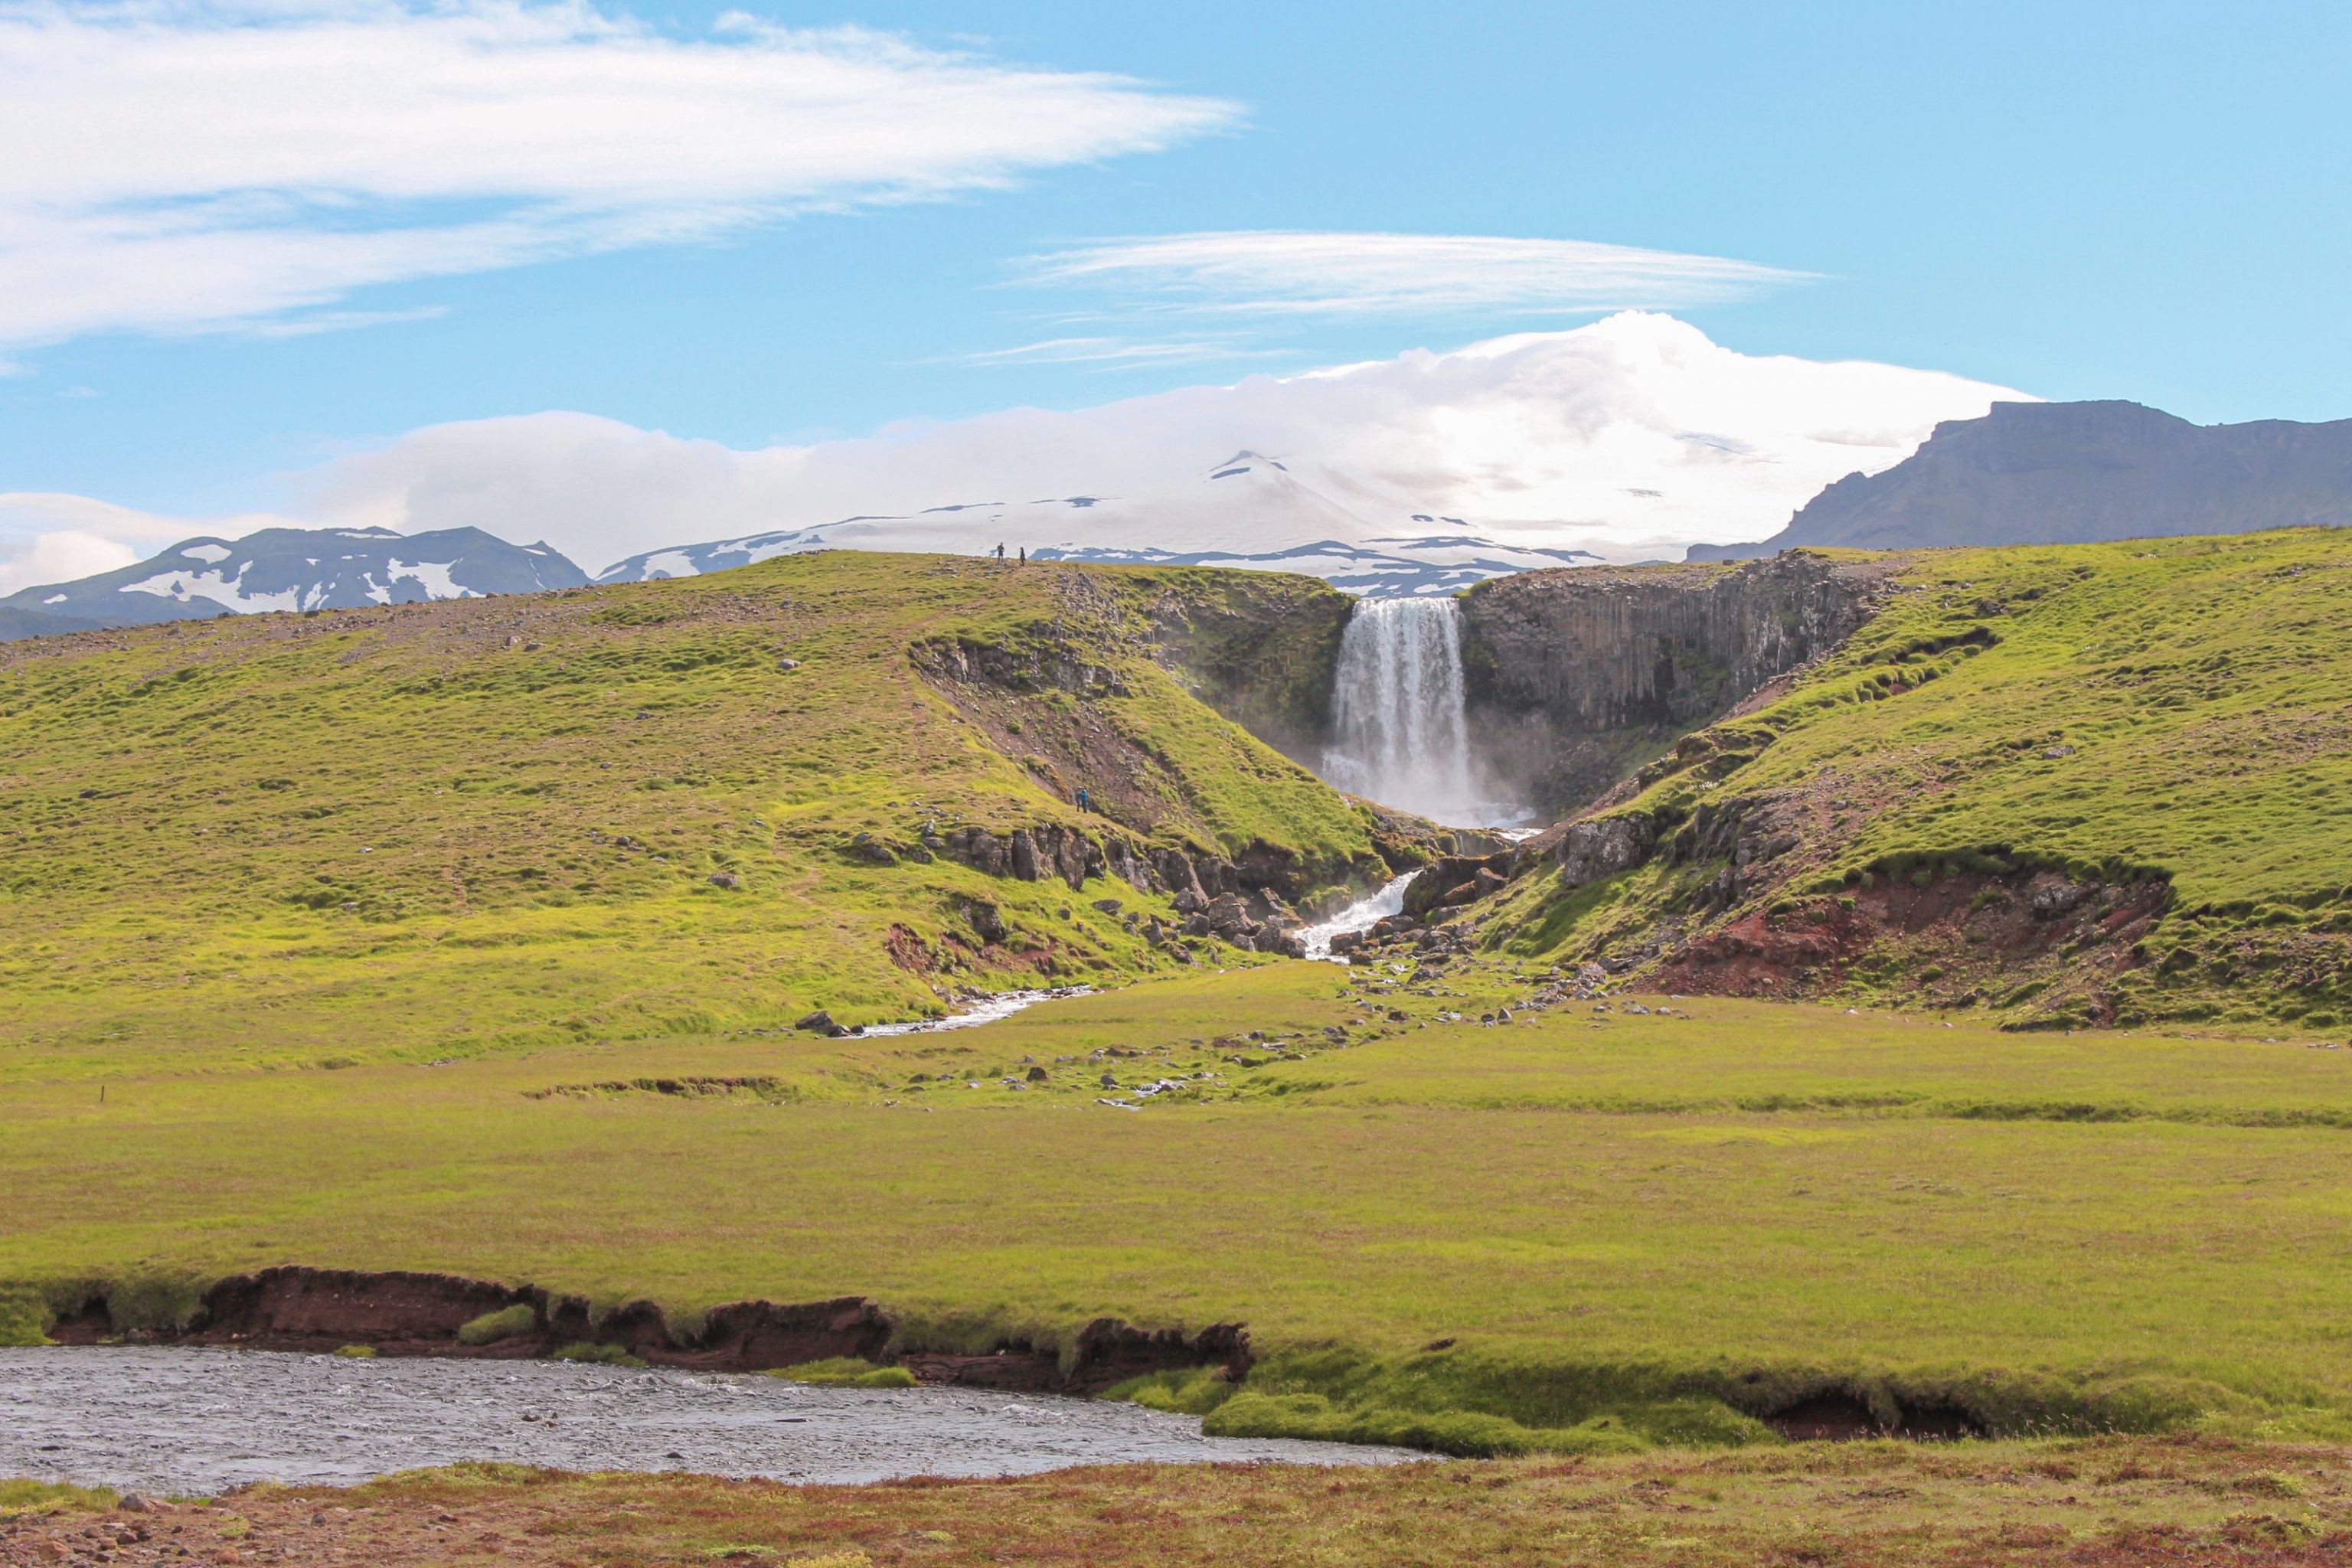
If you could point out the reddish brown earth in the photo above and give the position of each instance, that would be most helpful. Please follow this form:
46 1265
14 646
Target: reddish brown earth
395 1313
2094 1503
1971 928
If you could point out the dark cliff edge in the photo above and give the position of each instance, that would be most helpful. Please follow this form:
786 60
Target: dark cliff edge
1578 677
2078 473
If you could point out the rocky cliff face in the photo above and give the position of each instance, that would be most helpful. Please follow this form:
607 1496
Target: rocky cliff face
1577 677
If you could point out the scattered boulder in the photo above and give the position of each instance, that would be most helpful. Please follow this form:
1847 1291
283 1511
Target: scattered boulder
819 1022
1603 847
725 879
1453 880
987 922
2050 900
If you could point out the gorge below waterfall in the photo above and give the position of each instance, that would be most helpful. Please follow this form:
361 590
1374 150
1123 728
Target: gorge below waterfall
1401 733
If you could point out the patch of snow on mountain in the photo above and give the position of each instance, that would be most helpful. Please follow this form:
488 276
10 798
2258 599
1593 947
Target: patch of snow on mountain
671 563
432 576
221 589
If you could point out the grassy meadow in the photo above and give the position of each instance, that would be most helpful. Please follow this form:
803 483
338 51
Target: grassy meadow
1625 1228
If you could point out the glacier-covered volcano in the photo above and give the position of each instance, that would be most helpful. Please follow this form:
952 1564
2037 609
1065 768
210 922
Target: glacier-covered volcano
1247 511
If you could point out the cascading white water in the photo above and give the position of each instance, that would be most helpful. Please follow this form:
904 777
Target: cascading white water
1362 915
1398 733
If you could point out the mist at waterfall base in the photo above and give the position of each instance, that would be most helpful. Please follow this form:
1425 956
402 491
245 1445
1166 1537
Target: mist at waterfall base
1400 735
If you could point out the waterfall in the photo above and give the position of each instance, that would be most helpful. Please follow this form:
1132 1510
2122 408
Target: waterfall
1399 736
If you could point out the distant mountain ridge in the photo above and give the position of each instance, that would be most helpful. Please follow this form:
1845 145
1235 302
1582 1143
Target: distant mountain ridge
2079 473
1249 511
291 569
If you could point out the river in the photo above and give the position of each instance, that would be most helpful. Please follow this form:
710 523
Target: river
179 1421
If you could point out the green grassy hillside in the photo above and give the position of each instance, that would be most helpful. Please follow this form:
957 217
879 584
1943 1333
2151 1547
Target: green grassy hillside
431 830
2151 738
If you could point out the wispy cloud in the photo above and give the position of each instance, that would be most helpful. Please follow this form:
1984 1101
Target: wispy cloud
1123 353
178 167
317 322
1268 272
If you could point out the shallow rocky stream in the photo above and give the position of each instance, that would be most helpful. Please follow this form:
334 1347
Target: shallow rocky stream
197 1422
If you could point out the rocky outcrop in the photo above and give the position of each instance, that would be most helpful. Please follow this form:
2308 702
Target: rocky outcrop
1256 919
1456 879
1576 678
1597 848
1035 854
1243 899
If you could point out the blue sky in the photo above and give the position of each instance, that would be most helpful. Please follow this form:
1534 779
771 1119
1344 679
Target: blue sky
2138 201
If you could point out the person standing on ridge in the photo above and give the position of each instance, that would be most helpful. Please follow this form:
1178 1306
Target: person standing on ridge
1024 556
1000 552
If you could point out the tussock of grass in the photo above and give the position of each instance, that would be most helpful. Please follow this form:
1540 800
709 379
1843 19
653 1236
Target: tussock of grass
19 1496
503 1324
357 1352
597 1354
846 1372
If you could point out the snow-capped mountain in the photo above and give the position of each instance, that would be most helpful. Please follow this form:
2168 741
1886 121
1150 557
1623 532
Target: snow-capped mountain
292 569
1248 511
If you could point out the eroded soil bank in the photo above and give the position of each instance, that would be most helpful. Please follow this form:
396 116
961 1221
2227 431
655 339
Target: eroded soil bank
161 1420
399 1313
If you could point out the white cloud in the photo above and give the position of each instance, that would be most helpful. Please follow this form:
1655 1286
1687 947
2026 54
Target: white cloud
186 167
1280 272
58 557
1630 437
55 538
1124 354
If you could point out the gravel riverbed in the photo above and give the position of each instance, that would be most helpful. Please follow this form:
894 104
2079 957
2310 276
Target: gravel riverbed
197 1422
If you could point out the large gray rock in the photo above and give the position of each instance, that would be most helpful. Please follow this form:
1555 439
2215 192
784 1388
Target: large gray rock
1603 847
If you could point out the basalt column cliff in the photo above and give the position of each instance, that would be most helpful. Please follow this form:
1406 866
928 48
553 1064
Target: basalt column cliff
1577 677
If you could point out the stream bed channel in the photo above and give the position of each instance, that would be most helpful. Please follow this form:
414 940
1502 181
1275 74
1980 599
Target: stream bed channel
198 1422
